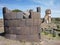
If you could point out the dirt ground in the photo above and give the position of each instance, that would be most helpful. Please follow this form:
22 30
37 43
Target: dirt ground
47 40
4 41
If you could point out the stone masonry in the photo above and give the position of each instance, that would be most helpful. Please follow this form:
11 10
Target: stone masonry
19 28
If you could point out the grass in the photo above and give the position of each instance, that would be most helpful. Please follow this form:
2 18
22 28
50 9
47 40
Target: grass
50 36
57 38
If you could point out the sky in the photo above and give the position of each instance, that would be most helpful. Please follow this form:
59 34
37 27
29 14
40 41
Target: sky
24 5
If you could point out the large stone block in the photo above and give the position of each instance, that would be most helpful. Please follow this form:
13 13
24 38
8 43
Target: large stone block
15 23
22 31
7 36
12 30
11 15
12 23
29 22
27 30
27 37
10 36
19 15
34 30
19 30
13 36
6 29
21 22
6 23
35 15
36 22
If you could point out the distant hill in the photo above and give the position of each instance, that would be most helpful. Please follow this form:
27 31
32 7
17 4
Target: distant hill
56 20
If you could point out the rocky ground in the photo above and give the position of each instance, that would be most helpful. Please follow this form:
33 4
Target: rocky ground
49 40
4 41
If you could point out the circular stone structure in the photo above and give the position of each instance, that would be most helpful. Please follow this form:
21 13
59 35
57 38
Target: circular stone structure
15 27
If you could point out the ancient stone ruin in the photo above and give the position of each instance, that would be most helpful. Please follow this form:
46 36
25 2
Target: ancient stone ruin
47 16
18 27
26 26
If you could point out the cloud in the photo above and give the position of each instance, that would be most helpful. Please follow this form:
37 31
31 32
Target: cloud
1 6
49 4
45 2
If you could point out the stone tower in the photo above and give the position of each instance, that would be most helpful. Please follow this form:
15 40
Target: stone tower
19 28
47 17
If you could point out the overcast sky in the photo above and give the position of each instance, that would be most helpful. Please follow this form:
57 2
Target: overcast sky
54 5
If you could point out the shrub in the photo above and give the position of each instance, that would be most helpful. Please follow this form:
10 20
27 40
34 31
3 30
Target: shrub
16 10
